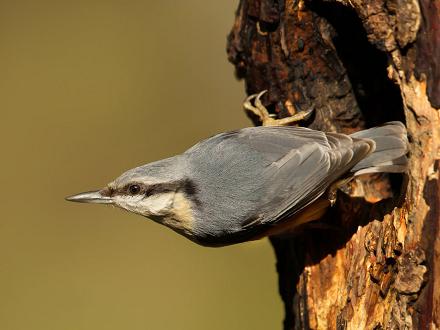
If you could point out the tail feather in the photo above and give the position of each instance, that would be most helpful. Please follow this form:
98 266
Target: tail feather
390 152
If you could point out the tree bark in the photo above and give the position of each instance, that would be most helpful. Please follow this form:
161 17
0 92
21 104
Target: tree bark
375 263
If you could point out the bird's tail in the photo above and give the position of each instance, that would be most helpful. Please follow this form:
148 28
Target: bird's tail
391 148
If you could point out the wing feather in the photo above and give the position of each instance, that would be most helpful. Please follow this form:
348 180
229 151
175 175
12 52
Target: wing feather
305 163
263 175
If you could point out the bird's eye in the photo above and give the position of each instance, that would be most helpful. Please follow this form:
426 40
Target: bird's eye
134 189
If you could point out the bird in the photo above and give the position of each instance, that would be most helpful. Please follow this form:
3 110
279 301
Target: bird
254 182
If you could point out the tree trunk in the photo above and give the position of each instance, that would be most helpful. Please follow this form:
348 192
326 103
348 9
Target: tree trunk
374 262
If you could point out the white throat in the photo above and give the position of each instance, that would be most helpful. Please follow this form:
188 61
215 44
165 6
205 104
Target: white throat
156 205
173 208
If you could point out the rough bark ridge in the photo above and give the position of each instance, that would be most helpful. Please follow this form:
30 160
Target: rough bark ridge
359 63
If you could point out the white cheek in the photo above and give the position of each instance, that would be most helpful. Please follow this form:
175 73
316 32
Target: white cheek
158 204
154 205
129 203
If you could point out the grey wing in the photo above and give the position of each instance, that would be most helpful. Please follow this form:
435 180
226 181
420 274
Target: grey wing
295 166
303 163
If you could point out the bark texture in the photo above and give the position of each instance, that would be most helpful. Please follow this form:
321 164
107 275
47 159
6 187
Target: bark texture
375 262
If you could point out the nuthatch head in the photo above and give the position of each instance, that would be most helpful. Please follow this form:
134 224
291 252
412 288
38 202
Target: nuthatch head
254 182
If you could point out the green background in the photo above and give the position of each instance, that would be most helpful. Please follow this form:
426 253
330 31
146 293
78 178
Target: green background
89 89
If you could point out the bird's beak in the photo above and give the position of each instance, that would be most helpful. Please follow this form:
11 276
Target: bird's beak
95 197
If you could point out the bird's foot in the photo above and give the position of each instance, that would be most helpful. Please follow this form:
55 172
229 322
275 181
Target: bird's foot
332 191
266 119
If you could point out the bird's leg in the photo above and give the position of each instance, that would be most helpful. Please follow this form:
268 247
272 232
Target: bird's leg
333 189
266 120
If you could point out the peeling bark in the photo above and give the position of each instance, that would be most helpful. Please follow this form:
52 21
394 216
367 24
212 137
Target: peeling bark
359 63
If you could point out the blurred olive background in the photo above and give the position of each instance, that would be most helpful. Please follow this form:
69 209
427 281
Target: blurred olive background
89 89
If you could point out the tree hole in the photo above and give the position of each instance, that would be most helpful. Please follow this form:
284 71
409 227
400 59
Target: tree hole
378 97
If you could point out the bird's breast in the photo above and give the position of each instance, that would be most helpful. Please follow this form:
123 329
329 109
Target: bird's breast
181 216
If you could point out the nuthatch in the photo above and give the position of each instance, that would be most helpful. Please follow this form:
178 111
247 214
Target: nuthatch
253 182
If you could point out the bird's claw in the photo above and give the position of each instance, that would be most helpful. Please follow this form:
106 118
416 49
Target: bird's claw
267 119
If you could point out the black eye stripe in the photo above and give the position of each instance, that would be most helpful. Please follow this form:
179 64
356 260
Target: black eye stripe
185 186
160 188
